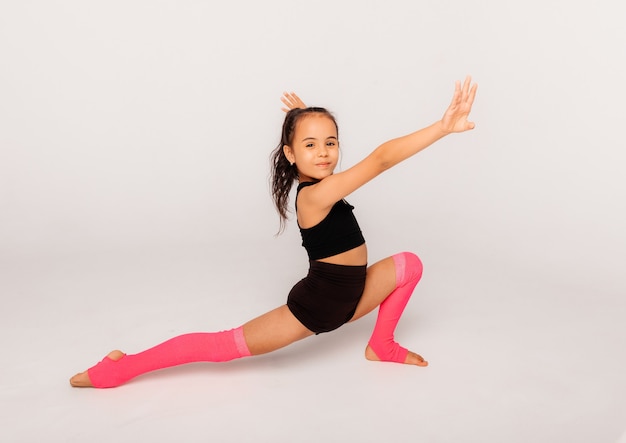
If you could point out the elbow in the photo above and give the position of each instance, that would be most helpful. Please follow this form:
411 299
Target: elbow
382 162
384 165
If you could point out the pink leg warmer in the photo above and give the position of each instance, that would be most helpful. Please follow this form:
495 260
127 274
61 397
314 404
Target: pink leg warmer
187 348
408 273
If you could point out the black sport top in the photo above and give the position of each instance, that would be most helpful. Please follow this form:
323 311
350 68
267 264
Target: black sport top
338 232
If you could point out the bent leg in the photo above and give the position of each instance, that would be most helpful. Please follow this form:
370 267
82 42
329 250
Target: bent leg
379 283
389 284
266 333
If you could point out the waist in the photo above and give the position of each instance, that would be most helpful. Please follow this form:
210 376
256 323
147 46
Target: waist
353 257
339 275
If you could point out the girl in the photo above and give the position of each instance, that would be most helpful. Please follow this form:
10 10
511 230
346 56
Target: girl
339 287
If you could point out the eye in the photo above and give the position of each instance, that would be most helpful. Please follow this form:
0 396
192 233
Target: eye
331 144
309 145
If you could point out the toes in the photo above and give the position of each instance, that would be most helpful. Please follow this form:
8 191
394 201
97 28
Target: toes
415 359
81 380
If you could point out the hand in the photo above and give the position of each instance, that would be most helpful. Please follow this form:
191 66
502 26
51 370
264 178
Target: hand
292 101
455 117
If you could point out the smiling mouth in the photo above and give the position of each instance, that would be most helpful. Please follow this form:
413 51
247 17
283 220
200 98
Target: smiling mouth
323 165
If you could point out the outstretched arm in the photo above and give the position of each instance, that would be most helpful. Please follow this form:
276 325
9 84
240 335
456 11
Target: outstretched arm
454 120
291 101
392 152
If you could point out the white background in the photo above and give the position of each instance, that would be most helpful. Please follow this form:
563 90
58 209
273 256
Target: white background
134 205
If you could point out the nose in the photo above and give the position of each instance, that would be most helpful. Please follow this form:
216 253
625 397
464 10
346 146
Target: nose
323 151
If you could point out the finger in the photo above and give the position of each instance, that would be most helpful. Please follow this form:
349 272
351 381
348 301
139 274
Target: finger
466 85
297 102
289 103
472 94
456 97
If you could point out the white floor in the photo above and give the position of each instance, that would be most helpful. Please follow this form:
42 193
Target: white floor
513 357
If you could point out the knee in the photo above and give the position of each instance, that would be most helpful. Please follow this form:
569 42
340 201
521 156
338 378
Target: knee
413 267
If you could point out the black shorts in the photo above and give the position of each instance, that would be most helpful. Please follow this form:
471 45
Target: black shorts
327 297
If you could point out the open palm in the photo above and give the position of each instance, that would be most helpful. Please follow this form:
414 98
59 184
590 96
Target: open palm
455 117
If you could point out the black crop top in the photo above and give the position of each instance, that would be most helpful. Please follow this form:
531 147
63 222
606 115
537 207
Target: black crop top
338 232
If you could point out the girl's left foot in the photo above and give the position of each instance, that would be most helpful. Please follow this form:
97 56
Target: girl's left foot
82 380
411 358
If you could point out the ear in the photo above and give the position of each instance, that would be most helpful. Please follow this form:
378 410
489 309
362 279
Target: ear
289 154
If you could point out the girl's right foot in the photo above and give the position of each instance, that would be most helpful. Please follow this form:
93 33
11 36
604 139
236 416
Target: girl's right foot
82 380
411 358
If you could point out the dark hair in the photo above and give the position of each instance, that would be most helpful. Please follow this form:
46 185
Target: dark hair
283 173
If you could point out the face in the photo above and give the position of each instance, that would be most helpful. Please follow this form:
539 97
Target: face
315 148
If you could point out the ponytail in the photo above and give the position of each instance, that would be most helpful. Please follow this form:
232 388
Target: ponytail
283 173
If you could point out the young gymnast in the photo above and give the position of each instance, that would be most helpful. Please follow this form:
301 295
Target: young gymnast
339 287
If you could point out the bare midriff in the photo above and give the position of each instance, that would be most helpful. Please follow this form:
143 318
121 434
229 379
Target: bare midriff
353 257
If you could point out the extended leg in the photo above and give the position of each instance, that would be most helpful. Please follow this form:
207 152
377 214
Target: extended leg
117 368
266 333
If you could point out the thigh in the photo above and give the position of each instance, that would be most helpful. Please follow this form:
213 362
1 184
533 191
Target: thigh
327 298
273 330
379 283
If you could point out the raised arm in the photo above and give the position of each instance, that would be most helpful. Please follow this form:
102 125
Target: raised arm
454 120
392 152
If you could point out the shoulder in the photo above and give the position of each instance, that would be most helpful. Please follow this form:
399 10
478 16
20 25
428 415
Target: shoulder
305 184
308 211
337 186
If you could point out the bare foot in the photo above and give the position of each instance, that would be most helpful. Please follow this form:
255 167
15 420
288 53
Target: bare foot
81 380
411 359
